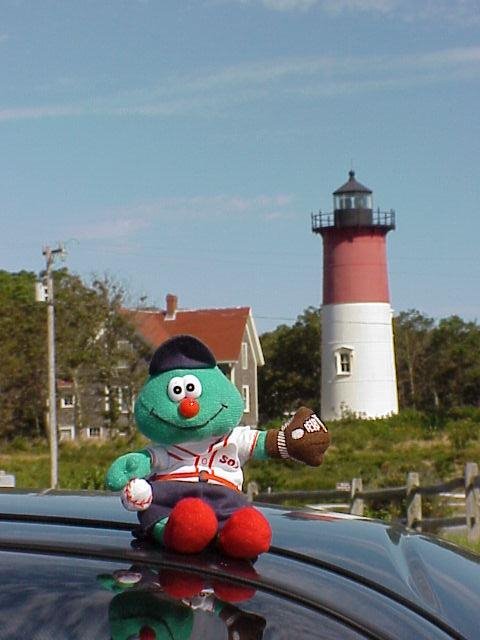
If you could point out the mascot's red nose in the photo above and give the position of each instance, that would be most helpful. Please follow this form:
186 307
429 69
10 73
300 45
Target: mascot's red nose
189 407
147 633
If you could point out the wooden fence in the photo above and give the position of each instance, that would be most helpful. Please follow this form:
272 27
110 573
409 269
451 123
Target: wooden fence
412 493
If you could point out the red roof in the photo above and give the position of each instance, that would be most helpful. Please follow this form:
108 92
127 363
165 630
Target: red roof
221 330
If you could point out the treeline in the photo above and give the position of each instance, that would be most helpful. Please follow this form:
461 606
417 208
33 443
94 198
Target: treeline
438 363
91 335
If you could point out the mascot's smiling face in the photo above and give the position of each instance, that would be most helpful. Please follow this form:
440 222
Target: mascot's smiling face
186 403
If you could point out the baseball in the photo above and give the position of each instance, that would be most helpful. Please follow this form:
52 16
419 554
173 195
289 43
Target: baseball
298 433
137 495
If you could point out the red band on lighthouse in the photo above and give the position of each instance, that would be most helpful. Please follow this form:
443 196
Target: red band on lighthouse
354 266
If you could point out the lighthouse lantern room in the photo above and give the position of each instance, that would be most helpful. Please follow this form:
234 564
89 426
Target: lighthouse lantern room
358 362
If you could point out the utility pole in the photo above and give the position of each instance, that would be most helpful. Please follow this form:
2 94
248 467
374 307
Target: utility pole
50 255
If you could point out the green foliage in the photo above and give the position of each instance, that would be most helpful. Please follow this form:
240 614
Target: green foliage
91 332
23 356
380 451
461 432
462 541
438 367
454 362
291 375
413 334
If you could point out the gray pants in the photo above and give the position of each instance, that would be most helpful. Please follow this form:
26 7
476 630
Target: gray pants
166 494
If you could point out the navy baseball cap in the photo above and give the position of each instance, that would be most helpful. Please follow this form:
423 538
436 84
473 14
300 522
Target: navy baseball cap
181 352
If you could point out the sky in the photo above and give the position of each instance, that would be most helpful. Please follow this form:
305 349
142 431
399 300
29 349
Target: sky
180 146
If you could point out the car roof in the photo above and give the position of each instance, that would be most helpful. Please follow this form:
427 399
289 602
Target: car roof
368 578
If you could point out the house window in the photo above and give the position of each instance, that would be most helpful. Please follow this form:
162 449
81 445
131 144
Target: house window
246 398
93 432
125 348
125 345
120 395
343 361
67 402
123 399
244 355
66 433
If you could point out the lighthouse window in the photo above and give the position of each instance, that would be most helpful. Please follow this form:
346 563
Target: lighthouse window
343 361
353 201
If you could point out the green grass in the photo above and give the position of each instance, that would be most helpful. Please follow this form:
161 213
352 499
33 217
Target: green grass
381 452
462 541
81 465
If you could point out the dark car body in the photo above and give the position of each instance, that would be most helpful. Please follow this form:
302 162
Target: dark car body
63 557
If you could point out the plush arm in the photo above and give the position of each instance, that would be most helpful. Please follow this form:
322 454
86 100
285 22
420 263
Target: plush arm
260 451
304 438
126 467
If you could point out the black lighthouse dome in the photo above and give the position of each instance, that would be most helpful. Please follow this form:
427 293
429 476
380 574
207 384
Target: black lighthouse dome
352 203
352 195
352 207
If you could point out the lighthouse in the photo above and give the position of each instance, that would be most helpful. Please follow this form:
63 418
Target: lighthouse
358 361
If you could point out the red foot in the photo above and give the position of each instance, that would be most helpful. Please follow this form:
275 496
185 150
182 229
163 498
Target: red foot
229 592
181 585
192 525
246 534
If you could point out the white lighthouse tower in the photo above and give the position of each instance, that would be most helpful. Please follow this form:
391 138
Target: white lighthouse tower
358 362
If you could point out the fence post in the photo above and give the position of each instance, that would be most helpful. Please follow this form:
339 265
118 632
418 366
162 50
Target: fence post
472 502
414 502
356 504
252 490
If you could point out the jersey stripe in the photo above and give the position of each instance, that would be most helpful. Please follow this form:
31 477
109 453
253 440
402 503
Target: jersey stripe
254 442
194 474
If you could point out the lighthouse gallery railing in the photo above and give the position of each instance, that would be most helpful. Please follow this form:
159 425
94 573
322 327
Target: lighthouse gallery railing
379 219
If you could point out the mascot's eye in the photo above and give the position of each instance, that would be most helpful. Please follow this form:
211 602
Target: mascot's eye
176 389
193 387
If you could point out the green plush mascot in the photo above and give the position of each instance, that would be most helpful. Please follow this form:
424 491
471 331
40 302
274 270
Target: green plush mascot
186 486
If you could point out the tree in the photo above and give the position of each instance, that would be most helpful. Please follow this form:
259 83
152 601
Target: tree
413 333
291 375
22 356
454 363
96 349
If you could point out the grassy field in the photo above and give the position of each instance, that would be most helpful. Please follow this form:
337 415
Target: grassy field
381 452
462 541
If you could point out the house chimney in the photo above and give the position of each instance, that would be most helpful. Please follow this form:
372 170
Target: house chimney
171 306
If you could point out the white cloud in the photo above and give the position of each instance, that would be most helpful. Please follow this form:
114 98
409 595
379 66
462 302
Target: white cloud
379 6
35 113
108 228
199 207
289 5
217 92
460 11
123 223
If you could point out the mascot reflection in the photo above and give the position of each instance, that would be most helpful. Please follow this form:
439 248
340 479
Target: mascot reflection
173 604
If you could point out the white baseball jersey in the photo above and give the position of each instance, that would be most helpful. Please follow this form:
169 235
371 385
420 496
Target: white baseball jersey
216 460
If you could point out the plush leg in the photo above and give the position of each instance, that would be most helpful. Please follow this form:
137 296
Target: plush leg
191 526
159 530
246 534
